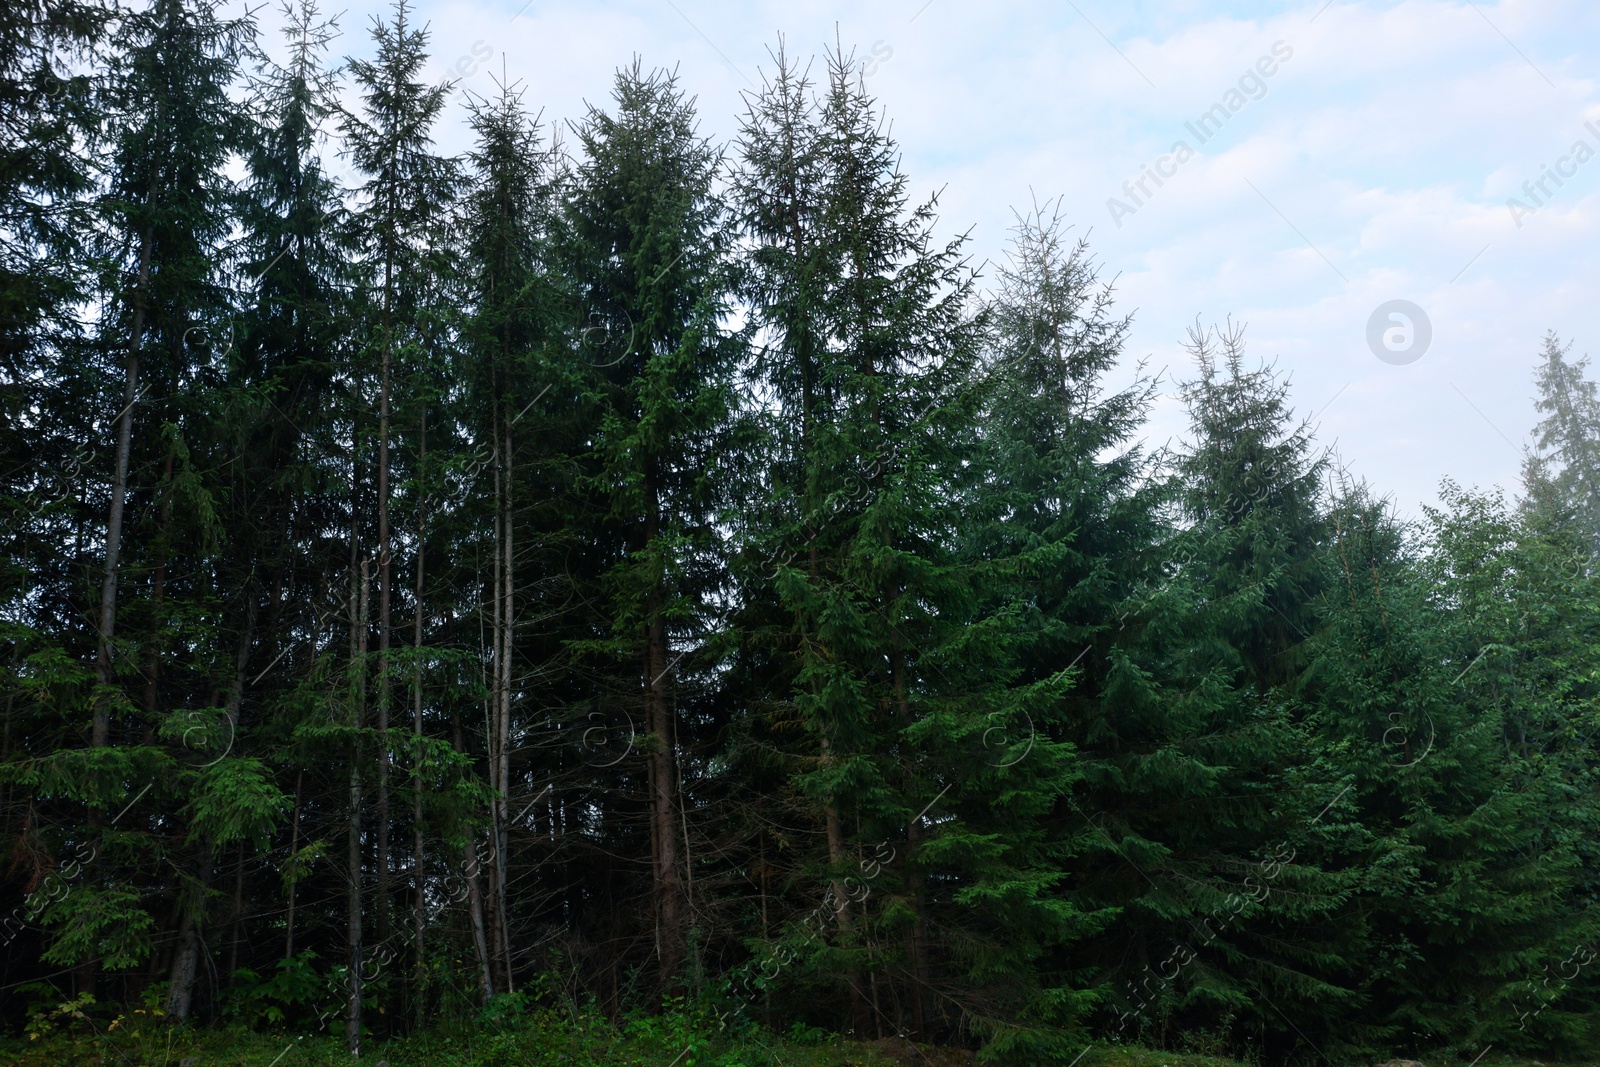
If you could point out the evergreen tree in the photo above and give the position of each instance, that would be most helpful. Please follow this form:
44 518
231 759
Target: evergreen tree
49 125
869 341
1056 516
1456 825
1198 786
1501 821
1562 473
292 426
400 227
50 404
515 359
648 244
164 218
1252 479
933 704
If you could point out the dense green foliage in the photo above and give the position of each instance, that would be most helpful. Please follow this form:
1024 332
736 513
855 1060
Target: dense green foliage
638 591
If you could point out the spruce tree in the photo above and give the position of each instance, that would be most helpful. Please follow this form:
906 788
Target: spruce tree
399 225
516 373
855 623
648 244
1500 822
1197 782
1055 519
50 405
292 426
1456 825
50 125
1562 471
164 218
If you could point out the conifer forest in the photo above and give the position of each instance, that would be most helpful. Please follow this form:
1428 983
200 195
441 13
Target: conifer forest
613 594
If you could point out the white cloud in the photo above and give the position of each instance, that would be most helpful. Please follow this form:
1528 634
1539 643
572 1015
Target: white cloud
1390 141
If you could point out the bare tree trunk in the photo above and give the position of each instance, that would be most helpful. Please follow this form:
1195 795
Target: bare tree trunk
491 718
352 1021
469 869
835 829
655 841
503 729
662 767
241 662
877 1008
385 566
687 918
233 708
186 958
185 961
419 913
761 837
11 701
161 951
475 909
100 731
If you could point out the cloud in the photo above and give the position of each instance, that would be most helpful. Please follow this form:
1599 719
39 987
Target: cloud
1387 146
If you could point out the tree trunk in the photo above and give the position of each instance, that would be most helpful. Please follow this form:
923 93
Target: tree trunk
491 718
662 770
419 912
352 1021
100 731
475 910
503 729
384 576
11 701
233 708
469 870
241 662
180 994
185 959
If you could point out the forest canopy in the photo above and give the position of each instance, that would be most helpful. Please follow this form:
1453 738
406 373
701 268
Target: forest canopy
620 573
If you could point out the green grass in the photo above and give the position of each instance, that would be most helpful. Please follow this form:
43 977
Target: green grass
539 1037
535 1038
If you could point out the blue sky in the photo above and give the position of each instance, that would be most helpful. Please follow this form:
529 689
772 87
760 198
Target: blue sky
1373 164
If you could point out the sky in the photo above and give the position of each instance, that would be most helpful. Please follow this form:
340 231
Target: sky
1391 198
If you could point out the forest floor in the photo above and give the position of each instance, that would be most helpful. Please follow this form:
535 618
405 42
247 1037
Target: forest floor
647 1045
